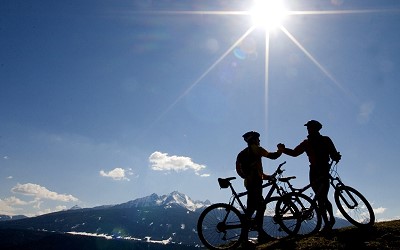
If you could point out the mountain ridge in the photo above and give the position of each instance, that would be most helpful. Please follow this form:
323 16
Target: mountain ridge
167 219
175 198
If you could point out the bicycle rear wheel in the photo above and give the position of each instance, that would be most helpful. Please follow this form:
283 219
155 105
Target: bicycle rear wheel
287 215
309 216
354 206
220 226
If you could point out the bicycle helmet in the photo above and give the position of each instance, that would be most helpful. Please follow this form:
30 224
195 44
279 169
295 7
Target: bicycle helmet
313 124
249 136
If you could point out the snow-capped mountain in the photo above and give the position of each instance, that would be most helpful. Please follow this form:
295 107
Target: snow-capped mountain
75 207
171 200
168 219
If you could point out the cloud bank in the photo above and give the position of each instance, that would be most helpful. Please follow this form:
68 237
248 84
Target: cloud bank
40 192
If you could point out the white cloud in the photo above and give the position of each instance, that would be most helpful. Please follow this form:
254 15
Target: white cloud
14 201
49 210
204 175
163 162
6 207
117 174
388 219
40 192
379 210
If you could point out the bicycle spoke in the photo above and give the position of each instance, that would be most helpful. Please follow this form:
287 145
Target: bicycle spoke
220 227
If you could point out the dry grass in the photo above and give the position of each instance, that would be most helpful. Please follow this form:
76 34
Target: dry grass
383 235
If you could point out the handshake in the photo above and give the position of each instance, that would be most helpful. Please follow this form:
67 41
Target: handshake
281 147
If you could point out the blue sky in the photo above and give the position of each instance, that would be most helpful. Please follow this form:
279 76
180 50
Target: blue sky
102 102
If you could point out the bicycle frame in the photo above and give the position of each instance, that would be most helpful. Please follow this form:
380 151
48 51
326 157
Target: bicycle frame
273 183
228 222
334 180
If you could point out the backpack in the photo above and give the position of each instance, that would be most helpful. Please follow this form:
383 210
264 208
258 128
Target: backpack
244 162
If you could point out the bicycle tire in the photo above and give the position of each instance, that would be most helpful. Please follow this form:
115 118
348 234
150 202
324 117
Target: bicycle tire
361 215
309 215
220 226
287 215
271 224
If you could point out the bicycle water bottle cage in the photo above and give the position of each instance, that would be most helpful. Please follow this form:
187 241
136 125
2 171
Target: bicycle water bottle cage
224 183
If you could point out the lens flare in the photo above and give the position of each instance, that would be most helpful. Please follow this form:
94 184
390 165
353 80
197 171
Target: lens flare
268 14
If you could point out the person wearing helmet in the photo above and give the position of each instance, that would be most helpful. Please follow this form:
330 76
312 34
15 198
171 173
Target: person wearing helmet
249 167
319 149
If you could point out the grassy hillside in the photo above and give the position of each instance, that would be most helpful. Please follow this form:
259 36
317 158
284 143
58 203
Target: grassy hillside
384 235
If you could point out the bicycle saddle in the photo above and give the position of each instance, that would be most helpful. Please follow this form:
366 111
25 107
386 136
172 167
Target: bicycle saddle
224 182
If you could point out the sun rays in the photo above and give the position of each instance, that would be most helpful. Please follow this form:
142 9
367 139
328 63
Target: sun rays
258 16
227 52
268 14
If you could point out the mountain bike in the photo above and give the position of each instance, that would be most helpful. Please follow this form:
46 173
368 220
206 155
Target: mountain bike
224 226
350 202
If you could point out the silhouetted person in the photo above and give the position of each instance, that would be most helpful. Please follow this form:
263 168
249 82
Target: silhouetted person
249 166
320 149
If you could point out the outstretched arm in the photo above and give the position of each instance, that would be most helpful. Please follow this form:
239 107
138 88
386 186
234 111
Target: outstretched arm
274 155
292 152
270 155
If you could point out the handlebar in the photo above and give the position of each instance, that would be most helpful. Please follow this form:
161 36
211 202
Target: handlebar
279 170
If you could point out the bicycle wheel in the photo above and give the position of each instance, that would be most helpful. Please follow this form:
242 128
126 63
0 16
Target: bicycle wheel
354 207
220 226
309 215
287 215
270 224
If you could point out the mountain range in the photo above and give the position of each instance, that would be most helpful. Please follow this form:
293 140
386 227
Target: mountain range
166 219
158 219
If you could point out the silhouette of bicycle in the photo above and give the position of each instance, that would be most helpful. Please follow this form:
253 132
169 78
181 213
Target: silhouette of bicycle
223 226
350 202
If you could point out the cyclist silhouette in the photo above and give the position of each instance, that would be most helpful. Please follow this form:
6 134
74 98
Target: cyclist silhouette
319 149
249 166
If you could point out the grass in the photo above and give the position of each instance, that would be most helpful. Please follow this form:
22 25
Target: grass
383 235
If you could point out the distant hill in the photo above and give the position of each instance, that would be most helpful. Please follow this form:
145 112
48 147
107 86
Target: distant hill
9 217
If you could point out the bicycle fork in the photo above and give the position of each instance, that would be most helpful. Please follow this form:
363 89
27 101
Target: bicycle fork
343 193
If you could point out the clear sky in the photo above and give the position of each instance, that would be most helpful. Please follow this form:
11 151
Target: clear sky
102 102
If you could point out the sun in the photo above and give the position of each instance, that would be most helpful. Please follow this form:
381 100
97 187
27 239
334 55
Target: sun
268 14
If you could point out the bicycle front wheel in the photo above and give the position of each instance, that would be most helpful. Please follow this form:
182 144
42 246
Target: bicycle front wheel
354 206
220 226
